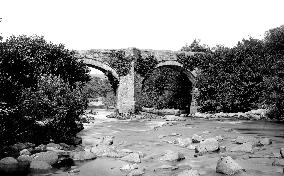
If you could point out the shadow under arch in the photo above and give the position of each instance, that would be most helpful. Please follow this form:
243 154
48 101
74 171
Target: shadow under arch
171 64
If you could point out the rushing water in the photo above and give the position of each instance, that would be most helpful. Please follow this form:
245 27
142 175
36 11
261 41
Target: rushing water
138 135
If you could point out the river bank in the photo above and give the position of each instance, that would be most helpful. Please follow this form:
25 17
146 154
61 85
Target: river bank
173 145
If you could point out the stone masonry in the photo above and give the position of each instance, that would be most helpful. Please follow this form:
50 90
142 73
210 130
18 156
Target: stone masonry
128 88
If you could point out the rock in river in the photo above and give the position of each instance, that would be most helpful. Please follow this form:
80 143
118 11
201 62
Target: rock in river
208 145
172 156
226 165
83 155
132 157
49 157
196 138
40 167
8 164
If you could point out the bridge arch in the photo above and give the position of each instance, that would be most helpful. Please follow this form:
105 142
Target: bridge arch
172 64
110 73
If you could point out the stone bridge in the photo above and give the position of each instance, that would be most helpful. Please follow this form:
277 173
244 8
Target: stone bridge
128 87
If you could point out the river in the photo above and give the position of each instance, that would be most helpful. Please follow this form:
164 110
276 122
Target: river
139 135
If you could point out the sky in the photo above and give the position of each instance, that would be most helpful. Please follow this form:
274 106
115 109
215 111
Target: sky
145 24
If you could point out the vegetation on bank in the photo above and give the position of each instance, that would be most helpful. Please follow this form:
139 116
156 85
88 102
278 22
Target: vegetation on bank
247 76
41 91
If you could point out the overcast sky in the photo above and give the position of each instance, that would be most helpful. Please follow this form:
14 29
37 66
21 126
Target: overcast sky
145 24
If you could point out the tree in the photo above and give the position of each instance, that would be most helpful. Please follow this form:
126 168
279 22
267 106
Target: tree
231 79
195 46
274 73
40 91
25 58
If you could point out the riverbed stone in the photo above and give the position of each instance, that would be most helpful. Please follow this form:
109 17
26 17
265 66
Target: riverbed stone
101 150
8 164
129 167
40 148
208 145
40 167
184 142
265 141
132 157
25 152
196 138
172 156
25 159
19 146
226 165
49 157
53 145
245 147
83 155
189 172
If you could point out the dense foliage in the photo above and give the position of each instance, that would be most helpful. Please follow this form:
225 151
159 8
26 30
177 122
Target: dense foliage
39 81
247 76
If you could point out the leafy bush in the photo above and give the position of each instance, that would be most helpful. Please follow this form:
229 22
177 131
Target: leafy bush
55 107
40 91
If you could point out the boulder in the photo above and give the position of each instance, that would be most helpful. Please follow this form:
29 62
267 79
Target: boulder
132 157
196 138
25 152
49 157
8 164
172 156
40 167
83 155
53 146
101 150
189 172
265 141
24 159
208 145
19 146
40 148
184 142
245 147
227 166
129 167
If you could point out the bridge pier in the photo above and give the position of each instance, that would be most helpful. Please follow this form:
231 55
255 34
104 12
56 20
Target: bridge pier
125 93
